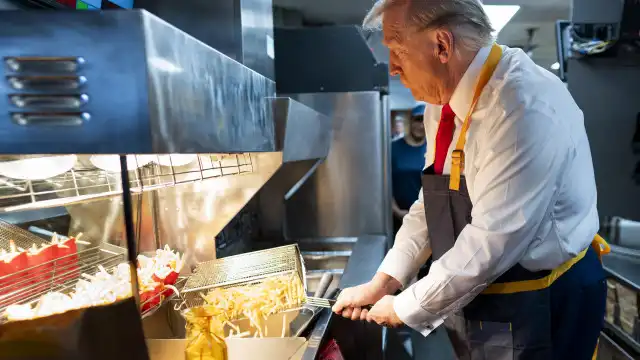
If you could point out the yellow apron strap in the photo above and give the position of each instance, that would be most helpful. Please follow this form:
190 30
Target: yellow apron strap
595 352
457 157
598 244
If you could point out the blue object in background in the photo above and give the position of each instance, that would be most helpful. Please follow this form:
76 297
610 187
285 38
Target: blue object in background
407 163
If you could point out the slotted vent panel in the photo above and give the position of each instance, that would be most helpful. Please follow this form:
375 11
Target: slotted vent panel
47 90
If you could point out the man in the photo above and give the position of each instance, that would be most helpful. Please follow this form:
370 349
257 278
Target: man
407 162
508 209
397 128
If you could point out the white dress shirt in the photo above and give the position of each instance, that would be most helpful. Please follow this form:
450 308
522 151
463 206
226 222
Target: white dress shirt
530 178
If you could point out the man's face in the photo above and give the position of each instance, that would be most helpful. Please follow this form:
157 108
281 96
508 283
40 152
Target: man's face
417 127
414 56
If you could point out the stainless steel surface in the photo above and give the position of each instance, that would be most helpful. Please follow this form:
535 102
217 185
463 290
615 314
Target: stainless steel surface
238 28
349 193
323 285
367 253
309 313
257 36
205 99
320 302
244 269
624 265
622 232
153 89
85 182
326 260
189 216
609 350
325 256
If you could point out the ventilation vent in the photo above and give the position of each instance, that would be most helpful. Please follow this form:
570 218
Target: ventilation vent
47 90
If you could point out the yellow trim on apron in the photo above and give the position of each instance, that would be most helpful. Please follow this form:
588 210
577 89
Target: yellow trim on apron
457 157
457 168
598 244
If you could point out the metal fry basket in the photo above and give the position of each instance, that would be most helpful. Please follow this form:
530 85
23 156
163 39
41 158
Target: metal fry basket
21 238
241 270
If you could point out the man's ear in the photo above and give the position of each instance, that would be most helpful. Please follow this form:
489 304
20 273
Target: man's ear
444 42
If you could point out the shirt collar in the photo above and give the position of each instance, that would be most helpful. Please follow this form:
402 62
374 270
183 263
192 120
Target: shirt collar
463 94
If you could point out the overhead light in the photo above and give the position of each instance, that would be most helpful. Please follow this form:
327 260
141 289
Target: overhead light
500 15
555 66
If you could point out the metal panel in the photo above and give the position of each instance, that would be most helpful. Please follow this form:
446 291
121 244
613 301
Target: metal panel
151 88
596 11
349 193
301 132
327 59
258 49
116 80
203 99
607 94
238 28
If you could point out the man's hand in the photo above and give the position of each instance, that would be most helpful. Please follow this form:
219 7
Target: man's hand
383 313
351 300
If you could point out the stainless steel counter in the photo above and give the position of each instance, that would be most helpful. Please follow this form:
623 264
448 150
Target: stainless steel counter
366 256
624 265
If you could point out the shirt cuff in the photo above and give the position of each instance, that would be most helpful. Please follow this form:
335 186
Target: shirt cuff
410 311
395 264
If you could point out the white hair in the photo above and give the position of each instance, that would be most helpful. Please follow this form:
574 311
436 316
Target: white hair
466 19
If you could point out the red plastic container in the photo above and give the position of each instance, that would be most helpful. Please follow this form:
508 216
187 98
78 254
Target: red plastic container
151 298
67 260
13 263
40 259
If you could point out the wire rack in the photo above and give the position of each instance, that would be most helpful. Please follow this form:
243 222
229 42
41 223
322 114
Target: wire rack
241 270
20 237
59 275
86 182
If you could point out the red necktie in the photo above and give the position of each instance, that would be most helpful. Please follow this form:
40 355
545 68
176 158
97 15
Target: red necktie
444 137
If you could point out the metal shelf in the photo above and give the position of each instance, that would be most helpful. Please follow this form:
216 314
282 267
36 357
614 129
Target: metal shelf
86 182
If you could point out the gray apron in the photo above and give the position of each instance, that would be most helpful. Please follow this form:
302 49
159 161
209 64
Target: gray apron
511 319
491 327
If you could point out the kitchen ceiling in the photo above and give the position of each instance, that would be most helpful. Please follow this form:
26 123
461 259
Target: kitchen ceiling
534 14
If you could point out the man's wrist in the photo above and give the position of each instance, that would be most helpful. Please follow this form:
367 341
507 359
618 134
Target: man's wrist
386 282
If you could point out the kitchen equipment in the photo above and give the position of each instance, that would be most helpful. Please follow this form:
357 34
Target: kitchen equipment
309 313
243 269
327 303
176 95
37 168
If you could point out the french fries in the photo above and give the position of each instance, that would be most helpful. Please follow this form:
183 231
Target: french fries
205 324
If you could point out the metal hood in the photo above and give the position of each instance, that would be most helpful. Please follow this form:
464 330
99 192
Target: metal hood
124 82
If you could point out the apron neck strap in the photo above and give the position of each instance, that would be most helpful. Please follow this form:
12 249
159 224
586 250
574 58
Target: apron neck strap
457 157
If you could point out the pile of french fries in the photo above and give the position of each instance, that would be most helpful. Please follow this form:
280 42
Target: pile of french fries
206 323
